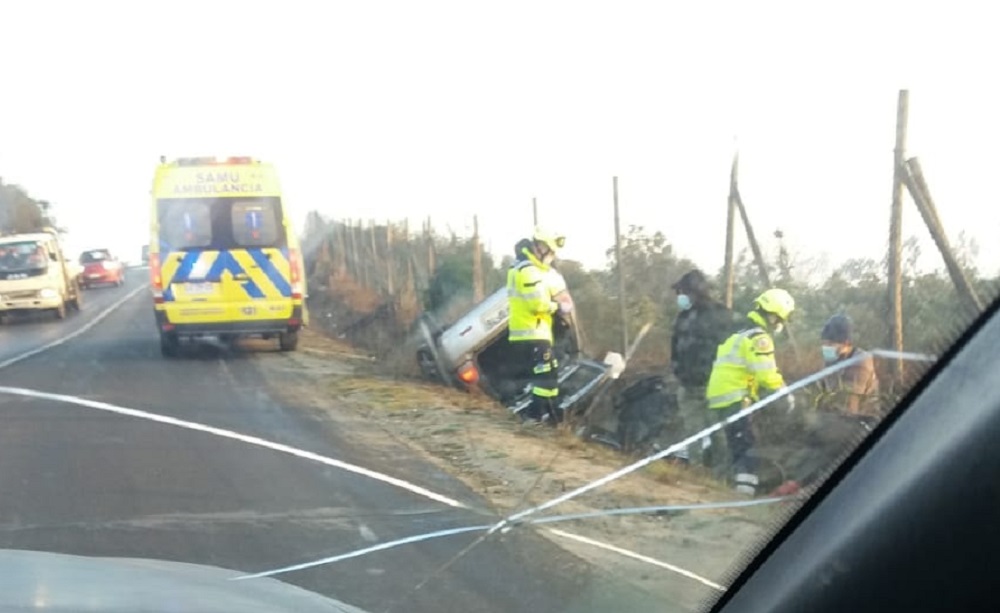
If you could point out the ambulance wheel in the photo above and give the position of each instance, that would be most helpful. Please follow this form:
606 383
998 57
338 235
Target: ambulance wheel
288 341
169 345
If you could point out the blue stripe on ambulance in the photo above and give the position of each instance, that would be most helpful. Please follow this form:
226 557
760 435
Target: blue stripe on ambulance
251 289
225 261
187 263
183 271
280 283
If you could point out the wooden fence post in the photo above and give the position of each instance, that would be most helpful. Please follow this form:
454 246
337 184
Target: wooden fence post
390 260
895 271
431 256
913 177
758 255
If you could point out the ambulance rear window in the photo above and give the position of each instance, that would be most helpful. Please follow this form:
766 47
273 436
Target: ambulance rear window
220 223
255 223
185 224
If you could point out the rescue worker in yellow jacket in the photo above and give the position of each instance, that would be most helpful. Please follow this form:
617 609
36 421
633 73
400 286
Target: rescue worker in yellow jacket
536 293
744 371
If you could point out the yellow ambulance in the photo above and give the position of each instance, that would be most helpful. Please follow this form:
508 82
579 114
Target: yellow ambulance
224 259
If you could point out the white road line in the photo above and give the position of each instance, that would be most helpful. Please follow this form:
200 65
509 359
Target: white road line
252 440
637 556
103 406
87 326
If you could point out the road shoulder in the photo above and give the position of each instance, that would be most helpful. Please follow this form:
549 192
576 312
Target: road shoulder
513 467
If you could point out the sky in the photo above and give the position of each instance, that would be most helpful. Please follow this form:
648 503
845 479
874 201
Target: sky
386 110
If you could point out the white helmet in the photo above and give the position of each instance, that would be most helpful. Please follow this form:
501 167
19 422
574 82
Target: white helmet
553 241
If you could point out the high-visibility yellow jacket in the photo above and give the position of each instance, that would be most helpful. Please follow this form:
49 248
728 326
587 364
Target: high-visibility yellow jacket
744 367
531 291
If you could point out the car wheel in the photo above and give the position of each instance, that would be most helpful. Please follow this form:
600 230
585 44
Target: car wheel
430 332
428 366
288 341
60 311
169 345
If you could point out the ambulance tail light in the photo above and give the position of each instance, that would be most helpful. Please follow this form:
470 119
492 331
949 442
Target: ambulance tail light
156 277
240 160
468 373
295 273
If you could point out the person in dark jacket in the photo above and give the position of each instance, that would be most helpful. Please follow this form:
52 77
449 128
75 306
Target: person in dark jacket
702 325
847 407
853 391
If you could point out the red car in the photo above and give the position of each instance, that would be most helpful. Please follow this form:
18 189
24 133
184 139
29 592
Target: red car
101 267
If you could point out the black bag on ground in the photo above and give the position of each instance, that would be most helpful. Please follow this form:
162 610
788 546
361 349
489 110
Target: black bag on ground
644 408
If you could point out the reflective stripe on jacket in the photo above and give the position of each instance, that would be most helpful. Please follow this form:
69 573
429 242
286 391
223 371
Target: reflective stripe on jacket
530 295
744 365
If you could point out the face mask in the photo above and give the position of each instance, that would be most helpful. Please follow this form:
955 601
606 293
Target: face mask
683 302
829 354
778 327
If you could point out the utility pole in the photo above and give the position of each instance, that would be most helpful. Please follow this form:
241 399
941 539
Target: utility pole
621 270
729 272
896 233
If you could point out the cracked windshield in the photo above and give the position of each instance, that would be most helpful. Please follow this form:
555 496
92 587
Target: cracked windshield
446 307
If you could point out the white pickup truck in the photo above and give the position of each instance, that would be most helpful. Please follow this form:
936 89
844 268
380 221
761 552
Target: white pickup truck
36 275
474 351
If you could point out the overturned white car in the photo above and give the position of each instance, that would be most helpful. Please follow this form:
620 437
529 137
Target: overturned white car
474 352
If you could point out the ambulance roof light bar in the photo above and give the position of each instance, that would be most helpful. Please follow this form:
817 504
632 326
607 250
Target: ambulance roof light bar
213 161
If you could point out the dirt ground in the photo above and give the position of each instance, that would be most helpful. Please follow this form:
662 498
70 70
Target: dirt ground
515 466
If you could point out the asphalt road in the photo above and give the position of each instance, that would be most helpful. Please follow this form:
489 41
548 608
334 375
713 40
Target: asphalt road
82 481
22 333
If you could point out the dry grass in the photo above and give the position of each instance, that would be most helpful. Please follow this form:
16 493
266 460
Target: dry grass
394 394
432 411
673 474
313 341
514 466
